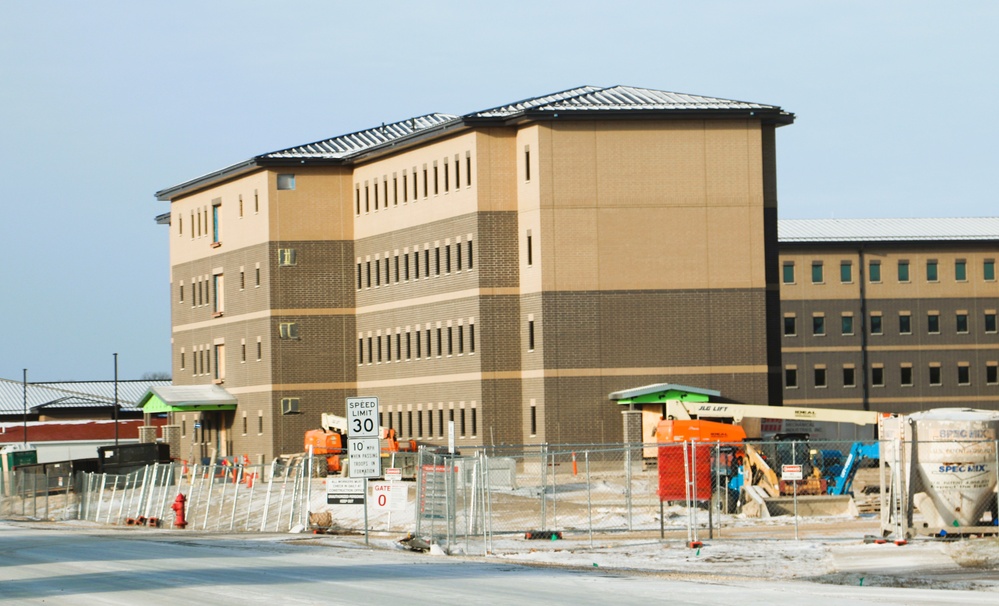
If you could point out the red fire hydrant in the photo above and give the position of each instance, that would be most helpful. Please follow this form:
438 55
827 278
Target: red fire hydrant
178 509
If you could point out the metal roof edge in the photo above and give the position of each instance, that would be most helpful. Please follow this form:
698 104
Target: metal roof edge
234 170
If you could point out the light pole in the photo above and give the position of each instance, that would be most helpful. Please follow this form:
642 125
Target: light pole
116 400
24 384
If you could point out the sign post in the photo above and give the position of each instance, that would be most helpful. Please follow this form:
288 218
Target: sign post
362 443
793 473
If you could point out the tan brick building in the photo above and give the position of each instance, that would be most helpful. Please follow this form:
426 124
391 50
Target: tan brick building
893 315
504 269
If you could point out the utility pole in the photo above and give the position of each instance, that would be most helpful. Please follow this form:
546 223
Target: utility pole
24 384
116 400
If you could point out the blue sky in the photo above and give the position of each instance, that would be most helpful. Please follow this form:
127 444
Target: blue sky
104 103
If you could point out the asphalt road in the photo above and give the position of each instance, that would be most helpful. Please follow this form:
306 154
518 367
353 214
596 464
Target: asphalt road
40 564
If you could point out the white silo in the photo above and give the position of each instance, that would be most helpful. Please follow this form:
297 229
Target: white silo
953 464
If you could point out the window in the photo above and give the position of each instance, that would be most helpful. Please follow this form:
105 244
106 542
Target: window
903 271
990 321
790 377
288 330
961 270
933 322
849 377
378 272
416 264
426 182
992 373
963 373
409 344
396 259
378 348
904 323
989 270
219 352
398 346
818 325
286 181
256 202
241 212
874 271
218 295
436 180
876 326
450 341
820 376
790 326
216 205
534 418
935 374
457 254
847 324
244 422
471 338
367 274
527 163
817 272
371 350
461 339
905 376
257 272
426 262
961 322
242 350
429 346
405 187
447 177
375 187
469 254
183 358
931 271
181 292
468 169
286 257
530 250
530 335
289 406
878 375
418 348
437 260
360 275
788 276
845 272
440 343
260 350
357 199
242 279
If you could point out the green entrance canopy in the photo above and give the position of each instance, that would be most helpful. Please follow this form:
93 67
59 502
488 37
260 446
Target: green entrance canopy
661 392
186 398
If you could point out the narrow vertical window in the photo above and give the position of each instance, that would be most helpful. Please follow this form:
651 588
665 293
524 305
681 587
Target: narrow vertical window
534 419
470 263
396 260
426 263
416 264
398 346
457 173
416 192
447 258
418 348
405 267
527 163
450 341
429 344
371 353
961 270
461 339
256 202
405 187
874 271
440 343
378 272
931 271
457 253
788 273
530 249
367 198
530 335
845 272
437 260
817 277
409 345
357 196
426 182
471 338
395 191
436 181
447 178
468 170
989 270
360 276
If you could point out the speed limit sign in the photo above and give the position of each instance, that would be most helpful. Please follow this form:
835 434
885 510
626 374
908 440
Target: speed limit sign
362 417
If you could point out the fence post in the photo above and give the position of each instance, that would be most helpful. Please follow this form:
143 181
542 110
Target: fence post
544 486
589 502
627 486
211 490
267 499
554 494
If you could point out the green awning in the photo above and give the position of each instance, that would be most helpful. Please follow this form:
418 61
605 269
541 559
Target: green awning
187 398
